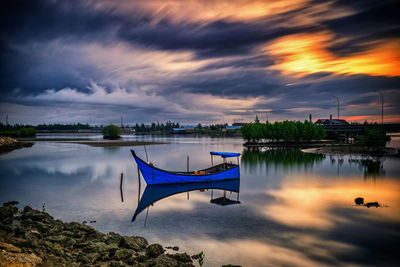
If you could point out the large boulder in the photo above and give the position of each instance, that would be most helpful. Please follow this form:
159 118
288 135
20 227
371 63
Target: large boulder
35 215
154 250
164 261
181 257
136 243
8 258
112 238
9 247
123 254
7 212
359 201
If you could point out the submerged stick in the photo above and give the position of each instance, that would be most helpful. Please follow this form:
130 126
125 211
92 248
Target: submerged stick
145 150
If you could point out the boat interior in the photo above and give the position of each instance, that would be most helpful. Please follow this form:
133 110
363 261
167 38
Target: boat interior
211 170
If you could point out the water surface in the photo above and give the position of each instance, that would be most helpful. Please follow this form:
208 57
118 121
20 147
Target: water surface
295 209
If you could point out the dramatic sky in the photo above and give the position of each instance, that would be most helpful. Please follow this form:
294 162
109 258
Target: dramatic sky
198 61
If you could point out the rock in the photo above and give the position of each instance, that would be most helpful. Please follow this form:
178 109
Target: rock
175 248
74 226
112 238
9 247
52 260
33 232
56 249
95 247
359 201
36 215
164 261
117 264
83 258
154 250
55 243
60 239
372 204
7 213
136 243
19 259
122 254
11 203
92 257
181 257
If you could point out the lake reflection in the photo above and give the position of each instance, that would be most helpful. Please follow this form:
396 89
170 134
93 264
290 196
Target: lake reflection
295 209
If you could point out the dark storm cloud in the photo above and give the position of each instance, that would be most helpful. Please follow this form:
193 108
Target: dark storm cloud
44 45
25 21
214 39
373 20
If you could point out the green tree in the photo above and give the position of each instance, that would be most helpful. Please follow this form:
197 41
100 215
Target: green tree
111 131
373 138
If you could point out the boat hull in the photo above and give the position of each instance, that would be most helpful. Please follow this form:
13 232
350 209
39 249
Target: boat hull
153 175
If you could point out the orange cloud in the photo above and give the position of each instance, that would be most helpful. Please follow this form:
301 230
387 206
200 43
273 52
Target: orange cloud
238 10
374 118
302 54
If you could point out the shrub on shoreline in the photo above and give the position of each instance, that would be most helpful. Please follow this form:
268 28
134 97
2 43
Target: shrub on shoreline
22 132
111 131
373 138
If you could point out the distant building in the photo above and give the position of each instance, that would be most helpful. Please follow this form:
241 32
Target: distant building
331 121
183 130
233 127
238 124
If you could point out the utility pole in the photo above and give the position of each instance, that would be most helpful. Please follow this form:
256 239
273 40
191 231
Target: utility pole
380 92
337 98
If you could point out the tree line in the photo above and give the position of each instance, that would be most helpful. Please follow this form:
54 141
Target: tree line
282 131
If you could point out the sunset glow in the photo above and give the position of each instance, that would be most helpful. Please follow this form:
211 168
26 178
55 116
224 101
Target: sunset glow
305 54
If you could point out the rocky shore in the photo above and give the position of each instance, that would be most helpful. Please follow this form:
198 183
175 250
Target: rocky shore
8 144
30 237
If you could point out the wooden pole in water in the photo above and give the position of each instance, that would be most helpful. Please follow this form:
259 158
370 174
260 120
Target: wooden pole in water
120 187
145 150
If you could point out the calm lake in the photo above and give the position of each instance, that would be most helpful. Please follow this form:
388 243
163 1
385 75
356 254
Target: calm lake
295 209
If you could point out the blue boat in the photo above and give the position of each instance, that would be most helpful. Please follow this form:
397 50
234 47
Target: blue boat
156 192
223 171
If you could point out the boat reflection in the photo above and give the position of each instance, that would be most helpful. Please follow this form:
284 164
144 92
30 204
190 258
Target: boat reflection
156 192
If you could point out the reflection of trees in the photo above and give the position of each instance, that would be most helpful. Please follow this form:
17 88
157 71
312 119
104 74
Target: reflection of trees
280 157
372 167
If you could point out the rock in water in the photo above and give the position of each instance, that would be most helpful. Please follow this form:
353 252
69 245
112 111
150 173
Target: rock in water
372 204
359 201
